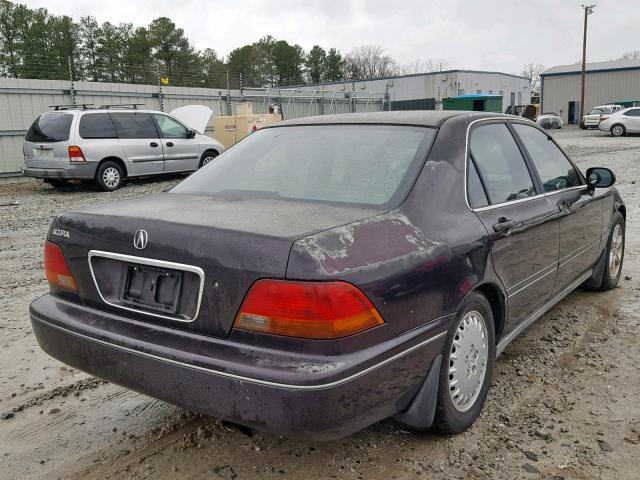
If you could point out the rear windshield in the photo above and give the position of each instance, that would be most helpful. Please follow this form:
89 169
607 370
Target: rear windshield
599 110
50 127
356 164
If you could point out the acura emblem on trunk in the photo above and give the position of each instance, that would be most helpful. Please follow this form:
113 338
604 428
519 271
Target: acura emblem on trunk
140 239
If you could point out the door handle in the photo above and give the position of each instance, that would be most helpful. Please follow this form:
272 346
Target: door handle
503 224
169 144
153 144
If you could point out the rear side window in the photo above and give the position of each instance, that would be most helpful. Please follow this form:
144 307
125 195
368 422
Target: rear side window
477 195
500 164
97 125
554 170
633 113
50 127
134 125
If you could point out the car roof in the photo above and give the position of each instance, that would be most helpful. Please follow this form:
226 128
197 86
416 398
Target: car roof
423 118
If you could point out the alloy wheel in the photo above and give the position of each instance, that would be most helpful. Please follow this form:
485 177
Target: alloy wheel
615 252
468 361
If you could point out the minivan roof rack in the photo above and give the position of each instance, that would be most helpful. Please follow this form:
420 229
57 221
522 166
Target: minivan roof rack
83 106
134 106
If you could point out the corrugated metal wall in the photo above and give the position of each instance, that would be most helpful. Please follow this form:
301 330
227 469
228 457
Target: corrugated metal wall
21 101
600 88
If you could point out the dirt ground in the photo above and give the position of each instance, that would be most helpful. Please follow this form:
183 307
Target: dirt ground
565 401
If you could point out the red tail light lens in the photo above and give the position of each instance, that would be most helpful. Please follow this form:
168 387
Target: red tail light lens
319 310
75 154
603 117
55 267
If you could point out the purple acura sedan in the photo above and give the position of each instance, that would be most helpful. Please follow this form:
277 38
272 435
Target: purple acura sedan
330 272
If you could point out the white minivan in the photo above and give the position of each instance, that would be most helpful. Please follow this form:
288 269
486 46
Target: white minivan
111 143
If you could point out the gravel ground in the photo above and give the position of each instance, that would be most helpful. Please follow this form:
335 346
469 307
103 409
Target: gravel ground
565 401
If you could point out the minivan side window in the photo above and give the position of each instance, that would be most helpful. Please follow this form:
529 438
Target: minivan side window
500 164
170 128
555 171
50 127
96 125
134 125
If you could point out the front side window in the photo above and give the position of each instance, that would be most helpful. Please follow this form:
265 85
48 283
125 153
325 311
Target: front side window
357 164
97 125
555 171
500 164
170 128
50 127
134 125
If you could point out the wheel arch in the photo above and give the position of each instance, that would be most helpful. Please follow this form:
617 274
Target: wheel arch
496 299
623 211
117 160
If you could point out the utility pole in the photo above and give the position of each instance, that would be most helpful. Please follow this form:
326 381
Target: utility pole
72 90
160 94
588 10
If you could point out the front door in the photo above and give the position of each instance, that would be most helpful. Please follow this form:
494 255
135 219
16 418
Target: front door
580 212
139 139
522 223
181 149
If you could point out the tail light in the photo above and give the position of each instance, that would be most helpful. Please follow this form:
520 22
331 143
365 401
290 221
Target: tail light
319 310
75 154
55 267
603 117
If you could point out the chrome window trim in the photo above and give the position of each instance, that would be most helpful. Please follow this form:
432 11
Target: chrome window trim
241 378
467 156
154 263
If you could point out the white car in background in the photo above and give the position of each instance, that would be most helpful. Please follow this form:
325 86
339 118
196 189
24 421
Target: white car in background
598 114
622 122
549 120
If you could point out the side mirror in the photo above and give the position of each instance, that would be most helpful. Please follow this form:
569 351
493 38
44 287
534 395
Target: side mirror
191 134
600 177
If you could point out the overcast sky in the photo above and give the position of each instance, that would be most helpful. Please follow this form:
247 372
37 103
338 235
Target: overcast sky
498 35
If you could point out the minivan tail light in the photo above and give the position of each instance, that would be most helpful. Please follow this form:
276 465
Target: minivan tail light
318 310
55 267
75 154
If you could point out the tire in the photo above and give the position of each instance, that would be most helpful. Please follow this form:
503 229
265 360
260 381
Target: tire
455 416
207 157
618 130
614 254
109 176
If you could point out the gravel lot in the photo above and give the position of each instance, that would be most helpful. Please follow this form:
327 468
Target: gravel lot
565 401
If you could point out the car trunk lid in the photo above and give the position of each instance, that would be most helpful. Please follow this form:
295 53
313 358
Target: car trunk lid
206 251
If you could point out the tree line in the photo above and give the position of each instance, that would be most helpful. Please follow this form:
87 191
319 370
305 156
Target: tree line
37 44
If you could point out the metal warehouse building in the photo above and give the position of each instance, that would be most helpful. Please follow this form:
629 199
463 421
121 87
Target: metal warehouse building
606 82
425 91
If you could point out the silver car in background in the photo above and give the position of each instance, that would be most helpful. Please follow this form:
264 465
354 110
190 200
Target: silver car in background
549 120
622 122
111 143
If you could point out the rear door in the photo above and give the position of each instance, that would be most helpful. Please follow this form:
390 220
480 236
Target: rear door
47 141
580 212
522 223
181 149
140 141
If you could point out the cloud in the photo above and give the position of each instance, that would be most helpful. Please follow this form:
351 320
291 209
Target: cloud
498 35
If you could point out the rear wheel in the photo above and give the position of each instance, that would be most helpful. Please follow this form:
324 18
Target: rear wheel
207 157
614 254
467 366
109 176
618 130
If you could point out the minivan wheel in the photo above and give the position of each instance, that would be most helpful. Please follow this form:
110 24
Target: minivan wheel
614 254
109 176
207 157
467 366
618 130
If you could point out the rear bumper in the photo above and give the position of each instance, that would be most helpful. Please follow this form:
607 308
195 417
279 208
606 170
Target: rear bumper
74 171
270 391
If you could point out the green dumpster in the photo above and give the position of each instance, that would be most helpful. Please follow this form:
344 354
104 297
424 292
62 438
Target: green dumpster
474 102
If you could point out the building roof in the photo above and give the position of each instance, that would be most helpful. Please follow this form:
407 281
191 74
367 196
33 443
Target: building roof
425 118
612 65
